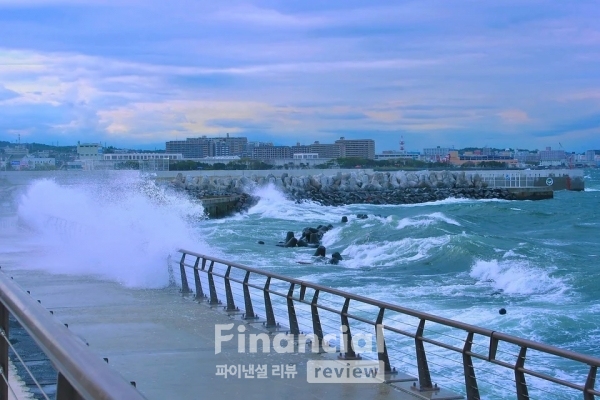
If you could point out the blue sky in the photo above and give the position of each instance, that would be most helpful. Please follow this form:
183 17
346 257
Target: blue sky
136 73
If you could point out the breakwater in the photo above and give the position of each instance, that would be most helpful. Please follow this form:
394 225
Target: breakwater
372 187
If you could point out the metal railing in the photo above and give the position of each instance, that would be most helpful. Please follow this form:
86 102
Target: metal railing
510 180
479 351
81 374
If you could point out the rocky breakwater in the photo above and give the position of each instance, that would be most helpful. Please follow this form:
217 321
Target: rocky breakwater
398 187
215 190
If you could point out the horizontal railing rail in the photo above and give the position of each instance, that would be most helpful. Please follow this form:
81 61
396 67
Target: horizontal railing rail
428 333
81 374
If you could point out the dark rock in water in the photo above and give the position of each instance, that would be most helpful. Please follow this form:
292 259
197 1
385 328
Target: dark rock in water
302 243
362 216
289 235
334 261
314 238
261 242
320 252
292 242
502 311
337 255
305 233
344 219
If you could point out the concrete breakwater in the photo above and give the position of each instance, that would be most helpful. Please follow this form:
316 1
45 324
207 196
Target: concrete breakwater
398 187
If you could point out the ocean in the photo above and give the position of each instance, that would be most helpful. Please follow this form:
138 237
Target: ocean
461 259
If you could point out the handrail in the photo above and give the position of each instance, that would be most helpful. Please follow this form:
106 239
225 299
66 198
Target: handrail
587 388
79 369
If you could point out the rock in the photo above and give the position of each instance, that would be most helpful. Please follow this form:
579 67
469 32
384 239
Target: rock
344 219
320 252
261 242
291 243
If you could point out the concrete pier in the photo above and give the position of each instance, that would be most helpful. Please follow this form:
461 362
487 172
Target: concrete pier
166 343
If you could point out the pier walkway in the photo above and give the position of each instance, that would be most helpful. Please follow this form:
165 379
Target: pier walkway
166 342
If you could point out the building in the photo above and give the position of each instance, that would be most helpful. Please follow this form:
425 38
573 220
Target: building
327 151
201 147
361 148
18 151
470 157
305 156
142 156
551 157
89 151
590 155
271 152
190 147
436 154
526 157
38 162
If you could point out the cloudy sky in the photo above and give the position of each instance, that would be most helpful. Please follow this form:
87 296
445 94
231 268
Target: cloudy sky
457 73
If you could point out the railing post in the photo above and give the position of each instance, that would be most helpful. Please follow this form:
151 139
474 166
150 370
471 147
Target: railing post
346 334
199 291
382 353
64 389
228 293
469 370
294 329
4 323
589 383
316 320
521 384
268 306
424 376
211 286
185 289
249 311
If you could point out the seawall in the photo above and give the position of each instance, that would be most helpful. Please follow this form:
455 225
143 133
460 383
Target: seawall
336 187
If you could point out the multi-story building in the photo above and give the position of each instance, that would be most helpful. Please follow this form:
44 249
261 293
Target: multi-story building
190 148
38 162
436 153
18 151
201 147
476 158
323 150
552 157
526 157
590 155
89 151
142 156
363 148
271 152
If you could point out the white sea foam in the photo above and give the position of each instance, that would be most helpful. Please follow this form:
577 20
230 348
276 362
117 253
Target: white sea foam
516 276
512 254
591 190
391 252
452 200
122 230
274 204
426 220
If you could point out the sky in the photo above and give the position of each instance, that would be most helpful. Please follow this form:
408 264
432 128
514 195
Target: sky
462 73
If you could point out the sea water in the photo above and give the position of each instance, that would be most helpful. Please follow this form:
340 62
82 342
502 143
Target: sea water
460 259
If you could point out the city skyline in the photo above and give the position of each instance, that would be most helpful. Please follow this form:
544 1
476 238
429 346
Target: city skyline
457 74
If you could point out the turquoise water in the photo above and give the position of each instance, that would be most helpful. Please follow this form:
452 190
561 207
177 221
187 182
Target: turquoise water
462 259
